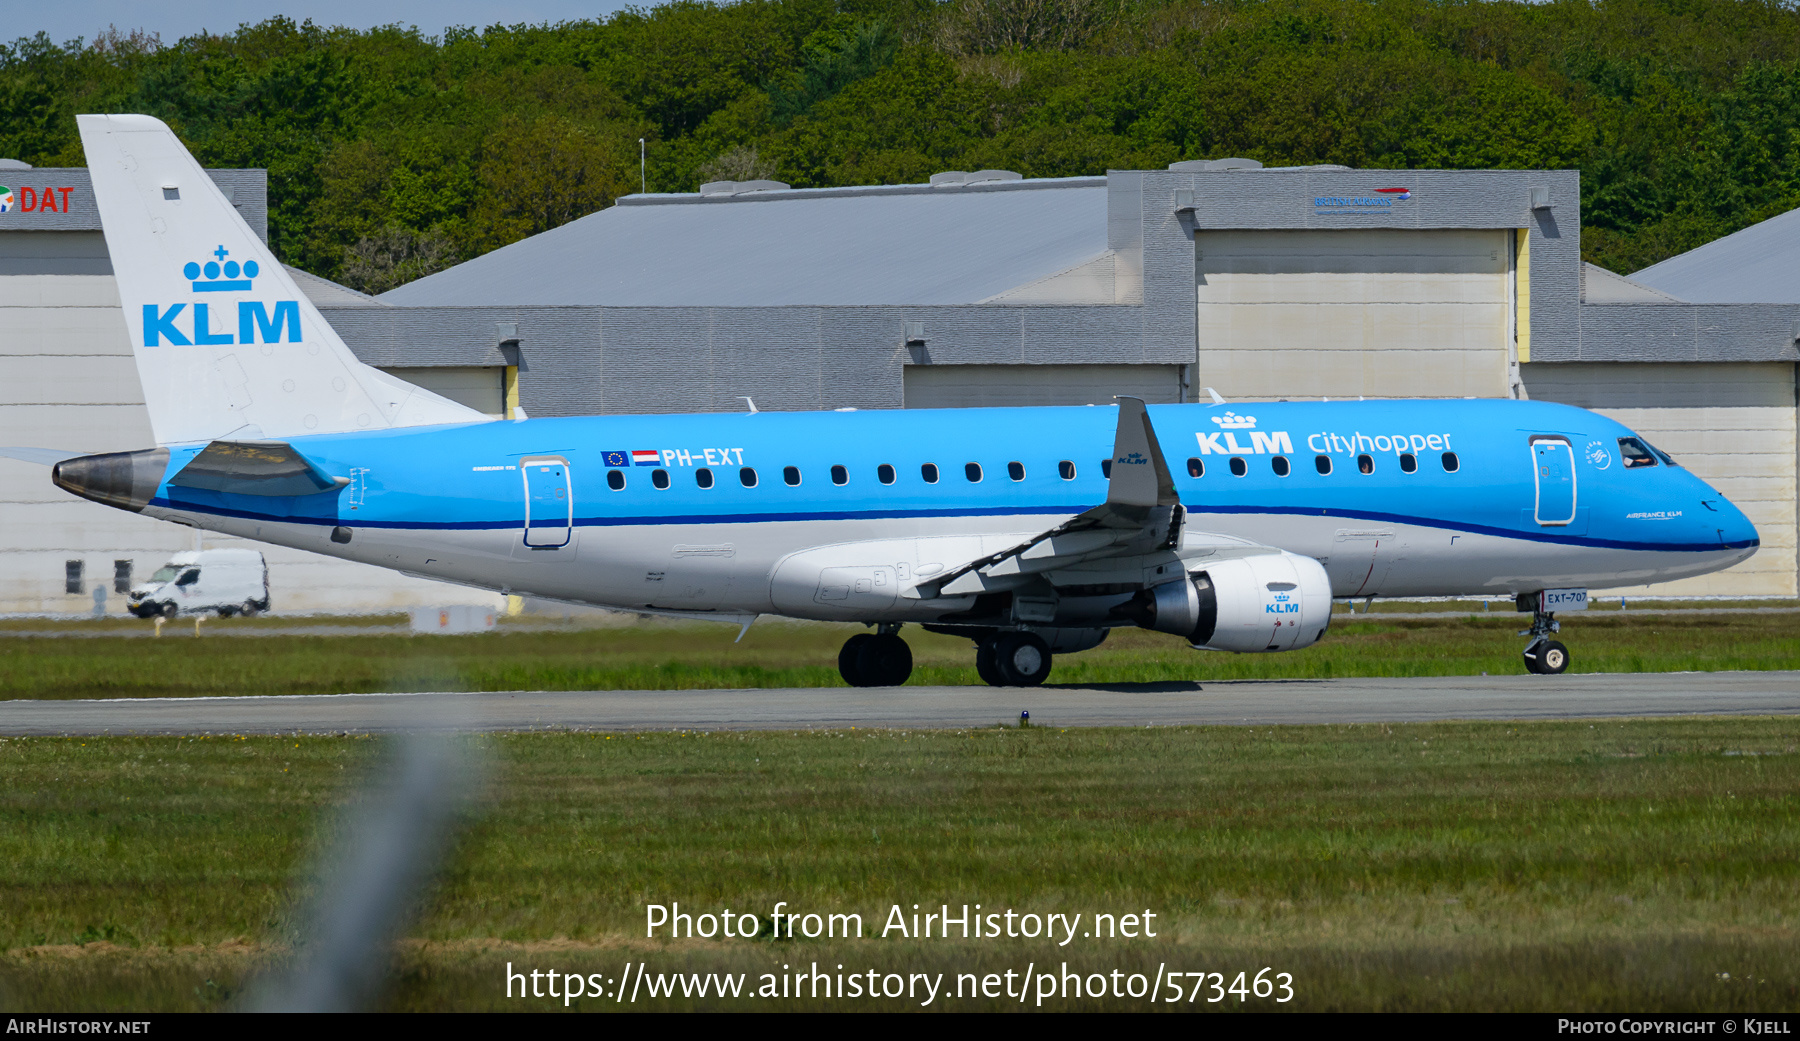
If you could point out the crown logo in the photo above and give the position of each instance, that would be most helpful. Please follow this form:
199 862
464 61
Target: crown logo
1233 421
222 276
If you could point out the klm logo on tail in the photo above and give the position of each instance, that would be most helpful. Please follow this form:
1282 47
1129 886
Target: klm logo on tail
255 322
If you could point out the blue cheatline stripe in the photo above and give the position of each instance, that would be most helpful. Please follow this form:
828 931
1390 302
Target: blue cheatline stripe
1006 511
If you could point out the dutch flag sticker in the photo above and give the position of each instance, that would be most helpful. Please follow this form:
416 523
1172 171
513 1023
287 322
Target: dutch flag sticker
646 457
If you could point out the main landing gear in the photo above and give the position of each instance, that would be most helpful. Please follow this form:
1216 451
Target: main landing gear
877 659
1544 656
1012 659
1004 659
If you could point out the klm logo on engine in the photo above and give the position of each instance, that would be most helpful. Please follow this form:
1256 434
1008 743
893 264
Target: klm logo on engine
1284 604
183 326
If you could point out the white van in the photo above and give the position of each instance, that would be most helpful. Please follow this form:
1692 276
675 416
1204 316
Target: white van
229 581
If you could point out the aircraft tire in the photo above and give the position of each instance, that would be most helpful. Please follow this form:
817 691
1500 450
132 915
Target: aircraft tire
984 663
850 659
884 661
1553 658
1021 659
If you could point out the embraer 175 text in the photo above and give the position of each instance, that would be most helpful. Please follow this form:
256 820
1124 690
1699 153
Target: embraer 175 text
1031 531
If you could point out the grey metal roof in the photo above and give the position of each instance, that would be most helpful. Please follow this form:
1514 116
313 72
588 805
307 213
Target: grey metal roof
908 244
1759 265
323 292
1600 286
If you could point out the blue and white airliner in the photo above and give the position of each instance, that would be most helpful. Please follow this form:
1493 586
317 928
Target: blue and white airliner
1032 531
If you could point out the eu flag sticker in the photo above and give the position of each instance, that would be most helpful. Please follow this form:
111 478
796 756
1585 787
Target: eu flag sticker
615 458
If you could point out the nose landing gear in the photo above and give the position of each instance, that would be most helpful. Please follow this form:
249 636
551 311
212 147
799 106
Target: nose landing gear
878 659
1544 656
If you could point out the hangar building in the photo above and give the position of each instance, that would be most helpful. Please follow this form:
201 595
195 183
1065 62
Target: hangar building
984 288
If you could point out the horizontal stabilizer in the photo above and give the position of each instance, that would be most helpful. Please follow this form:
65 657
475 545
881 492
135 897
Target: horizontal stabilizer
255 468
40 456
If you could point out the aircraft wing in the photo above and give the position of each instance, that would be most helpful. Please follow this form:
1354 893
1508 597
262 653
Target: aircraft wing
1141 515
255 468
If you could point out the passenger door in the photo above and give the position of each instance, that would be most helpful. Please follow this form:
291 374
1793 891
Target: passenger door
1553 471
549 502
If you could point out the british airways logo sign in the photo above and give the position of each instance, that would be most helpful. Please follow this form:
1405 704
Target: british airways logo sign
257 322
1383 199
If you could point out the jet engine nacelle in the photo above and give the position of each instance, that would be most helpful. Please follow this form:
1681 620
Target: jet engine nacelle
1268 602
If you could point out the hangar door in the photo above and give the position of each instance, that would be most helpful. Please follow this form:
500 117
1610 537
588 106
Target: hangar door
1385 313
991 386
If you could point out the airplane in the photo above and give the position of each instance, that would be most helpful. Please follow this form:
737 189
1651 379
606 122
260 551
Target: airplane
1031 531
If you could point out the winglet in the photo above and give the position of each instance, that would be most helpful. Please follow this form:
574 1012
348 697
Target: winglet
1140 477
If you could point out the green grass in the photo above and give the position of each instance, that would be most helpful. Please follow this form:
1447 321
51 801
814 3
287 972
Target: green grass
663 656
1620 865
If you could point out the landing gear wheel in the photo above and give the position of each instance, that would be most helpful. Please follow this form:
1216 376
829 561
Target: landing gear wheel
1552 658
984 664
1548 658
850 659
1021 659
884 661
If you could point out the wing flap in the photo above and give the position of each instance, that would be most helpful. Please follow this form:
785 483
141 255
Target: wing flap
1142 513
255 468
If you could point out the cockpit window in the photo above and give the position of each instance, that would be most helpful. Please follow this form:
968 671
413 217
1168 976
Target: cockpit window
1664 456
1635 453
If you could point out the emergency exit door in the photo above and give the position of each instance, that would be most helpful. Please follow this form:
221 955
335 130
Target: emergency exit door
1554 461
549 502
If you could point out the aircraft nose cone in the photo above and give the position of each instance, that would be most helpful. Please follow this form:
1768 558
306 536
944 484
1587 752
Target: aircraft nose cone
1735 530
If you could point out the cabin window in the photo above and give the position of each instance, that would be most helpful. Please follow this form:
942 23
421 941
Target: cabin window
930 472
659 477
1635 453
1408 462
1066 470
1279 464
615 479
790 475
1365 464
1016 471
839 475
703 477
1238 467
1106 468
884 473
973 472
1196 468
1451 463
1322 463
747 477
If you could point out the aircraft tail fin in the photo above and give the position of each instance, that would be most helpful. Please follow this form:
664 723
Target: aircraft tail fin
227 346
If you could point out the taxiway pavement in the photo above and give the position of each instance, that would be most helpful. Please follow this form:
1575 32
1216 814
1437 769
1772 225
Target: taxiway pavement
1520 697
